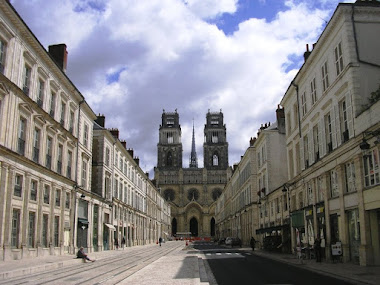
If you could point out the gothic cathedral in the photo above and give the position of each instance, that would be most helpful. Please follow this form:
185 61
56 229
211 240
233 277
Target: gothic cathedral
192 191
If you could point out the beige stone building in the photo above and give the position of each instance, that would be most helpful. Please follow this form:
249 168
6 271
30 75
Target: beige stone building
332 135
49 203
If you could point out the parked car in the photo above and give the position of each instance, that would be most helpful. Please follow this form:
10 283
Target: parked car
233 241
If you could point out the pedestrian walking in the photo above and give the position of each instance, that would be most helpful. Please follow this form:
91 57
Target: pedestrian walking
317 249
160 241
116 243
83 255
253 242
123 242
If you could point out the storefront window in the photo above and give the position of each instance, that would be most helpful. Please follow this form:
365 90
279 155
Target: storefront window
354 234
334 228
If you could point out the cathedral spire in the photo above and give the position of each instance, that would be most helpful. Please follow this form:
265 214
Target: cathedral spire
193 156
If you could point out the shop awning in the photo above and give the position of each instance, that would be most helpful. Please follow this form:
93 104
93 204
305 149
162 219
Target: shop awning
271 229
111 227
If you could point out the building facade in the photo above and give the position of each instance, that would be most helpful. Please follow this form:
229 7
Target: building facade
49 202
332 138
192 191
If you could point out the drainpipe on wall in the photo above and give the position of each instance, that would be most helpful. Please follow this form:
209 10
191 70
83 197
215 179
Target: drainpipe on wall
299 110
76 182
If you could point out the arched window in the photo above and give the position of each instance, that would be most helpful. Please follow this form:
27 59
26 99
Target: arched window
169 159
215 159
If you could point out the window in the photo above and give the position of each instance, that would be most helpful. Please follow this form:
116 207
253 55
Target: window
31 229
215 160
45 225
15 235
320 193
350 177
325 77
69 163
115 190
316 142
84 174
170 138
371 168
328 133
295 114
41 92
33 190
67 201
3 48
21 136
338 59
18 186
310 194
71 122
47 194
26 79
343 120
63 114
36 145
52 104
58 198
49 145
306 150
121 163
334 190
303 103
121 191
107 156
214 137
56 231
85 137
313 92
59 159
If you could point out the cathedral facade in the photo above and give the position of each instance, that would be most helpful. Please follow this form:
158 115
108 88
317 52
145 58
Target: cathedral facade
192 191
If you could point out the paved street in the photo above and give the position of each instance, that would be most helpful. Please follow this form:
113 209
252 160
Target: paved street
175 263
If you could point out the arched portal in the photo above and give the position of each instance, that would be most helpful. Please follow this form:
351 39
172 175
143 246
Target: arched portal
212 227
174 226
194 227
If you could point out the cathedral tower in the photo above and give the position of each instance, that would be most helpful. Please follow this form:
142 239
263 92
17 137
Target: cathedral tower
215 147
169 146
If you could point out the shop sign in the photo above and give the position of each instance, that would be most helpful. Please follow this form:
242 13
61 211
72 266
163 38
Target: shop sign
309 212
336 249
320 210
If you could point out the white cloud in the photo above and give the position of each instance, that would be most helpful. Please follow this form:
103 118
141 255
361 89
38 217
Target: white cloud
164 55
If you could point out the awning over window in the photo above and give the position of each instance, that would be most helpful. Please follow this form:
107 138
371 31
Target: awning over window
298 220
111 227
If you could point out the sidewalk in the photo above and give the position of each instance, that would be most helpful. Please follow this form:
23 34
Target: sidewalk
345 271
178 267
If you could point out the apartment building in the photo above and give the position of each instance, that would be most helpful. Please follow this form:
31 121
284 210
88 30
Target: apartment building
45 144
50 201
332 135
133 210
242 209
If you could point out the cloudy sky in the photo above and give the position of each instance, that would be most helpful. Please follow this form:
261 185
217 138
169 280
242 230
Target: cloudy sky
133 58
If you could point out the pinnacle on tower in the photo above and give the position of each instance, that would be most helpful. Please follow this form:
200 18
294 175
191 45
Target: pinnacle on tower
193 156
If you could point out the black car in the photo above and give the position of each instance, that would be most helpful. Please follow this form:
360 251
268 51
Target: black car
233 241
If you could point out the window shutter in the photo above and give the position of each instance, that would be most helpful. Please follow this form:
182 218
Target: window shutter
333 128
302 155
349 111
322 137
337 126
311 147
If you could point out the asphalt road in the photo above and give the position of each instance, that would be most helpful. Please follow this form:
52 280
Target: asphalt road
236 267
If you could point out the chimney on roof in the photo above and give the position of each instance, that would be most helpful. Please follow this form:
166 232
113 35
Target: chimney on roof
307 53
115 133
124 144
130 151
59 54
101 120
137 160
252 141
280 116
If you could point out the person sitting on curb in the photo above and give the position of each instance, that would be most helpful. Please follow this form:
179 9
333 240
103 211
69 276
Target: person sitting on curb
83 255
